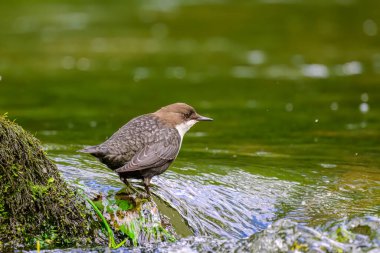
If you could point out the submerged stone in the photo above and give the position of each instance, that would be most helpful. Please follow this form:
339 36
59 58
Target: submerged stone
35 202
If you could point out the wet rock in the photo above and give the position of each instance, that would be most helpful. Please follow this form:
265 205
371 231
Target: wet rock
135 217
359 234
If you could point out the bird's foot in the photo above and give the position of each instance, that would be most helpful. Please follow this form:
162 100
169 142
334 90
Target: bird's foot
144 195
128 186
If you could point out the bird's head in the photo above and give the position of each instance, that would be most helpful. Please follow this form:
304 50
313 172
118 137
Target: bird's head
180 116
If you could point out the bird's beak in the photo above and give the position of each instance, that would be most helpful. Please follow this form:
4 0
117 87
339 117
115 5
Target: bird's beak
202 118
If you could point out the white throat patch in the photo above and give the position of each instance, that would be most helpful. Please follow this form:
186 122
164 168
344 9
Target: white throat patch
184 127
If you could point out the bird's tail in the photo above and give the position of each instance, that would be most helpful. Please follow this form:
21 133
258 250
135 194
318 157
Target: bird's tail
90 150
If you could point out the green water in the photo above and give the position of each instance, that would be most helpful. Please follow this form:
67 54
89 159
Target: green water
293 87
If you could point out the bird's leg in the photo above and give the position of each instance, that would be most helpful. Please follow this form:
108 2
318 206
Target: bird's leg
146 184
127 183
125 180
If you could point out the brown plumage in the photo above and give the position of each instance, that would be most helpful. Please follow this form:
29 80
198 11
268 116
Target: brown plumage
148 144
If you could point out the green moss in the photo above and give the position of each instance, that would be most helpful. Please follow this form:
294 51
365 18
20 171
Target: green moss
364 230
299 247
35 202
123 204
38 190
343 235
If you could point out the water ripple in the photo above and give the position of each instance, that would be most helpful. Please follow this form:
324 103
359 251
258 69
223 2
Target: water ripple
227 202
238 205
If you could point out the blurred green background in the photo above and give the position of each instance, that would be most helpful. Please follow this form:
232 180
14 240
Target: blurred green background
293 87
63 62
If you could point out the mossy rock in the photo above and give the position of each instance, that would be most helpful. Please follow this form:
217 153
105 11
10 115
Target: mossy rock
35 202
135 218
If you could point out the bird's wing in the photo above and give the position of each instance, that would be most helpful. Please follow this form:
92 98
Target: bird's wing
155 154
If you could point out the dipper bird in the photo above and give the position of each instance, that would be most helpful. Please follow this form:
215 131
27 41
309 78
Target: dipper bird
148 144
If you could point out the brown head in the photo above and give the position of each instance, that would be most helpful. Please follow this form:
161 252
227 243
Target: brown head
179 113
